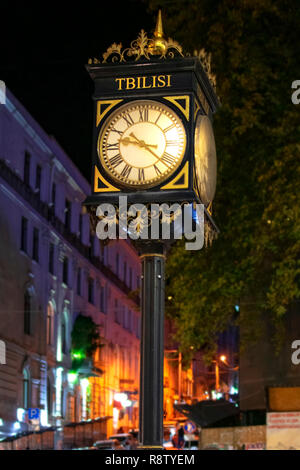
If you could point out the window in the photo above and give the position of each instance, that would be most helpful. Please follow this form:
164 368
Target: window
26 389
130 278
35 244
53 197
121 315
137 282
50 324
103 299
49 397
79 281
68 214
38 176
63 335
91 290
124 316
27 168
24 230
116 311
51 258
105 255
117 263
27 313
129 320
80 226
125 272
91 246
65 270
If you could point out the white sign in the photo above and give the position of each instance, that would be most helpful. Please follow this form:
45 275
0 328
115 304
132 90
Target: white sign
283 431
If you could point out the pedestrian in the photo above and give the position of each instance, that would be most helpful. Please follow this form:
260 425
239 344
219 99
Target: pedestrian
180 437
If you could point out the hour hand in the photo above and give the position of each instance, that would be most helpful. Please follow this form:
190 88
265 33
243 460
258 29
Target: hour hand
127 141
142 143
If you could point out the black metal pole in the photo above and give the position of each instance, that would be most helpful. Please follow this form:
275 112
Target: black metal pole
152 345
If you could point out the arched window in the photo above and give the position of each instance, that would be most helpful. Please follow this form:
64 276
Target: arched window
63 336
50 324
27 312
26 389
64 333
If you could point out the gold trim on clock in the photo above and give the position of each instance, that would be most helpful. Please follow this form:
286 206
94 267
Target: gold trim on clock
107 186
196 109
183 173
141 144
110 104
186 109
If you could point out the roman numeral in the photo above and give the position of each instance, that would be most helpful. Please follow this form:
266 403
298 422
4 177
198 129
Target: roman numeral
158 172
171 143
114 146
144 114
158 117
169 128
126 171
115 160
141 174
116 130
128 119
168 159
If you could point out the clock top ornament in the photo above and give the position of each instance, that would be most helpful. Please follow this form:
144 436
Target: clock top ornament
153 139
157 47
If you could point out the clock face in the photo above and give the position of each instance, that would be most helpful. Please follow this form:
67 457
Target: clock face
141 144
205 159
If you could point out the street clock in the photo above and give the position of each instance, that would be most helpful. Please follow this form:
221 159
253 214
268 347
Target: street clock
152 139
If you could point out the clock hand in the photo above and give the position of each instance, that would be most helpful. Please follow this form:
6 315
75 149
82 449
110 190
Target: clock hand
140 143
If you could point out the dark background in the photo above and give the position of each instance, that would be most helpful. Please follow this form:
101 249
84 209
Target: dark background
43 52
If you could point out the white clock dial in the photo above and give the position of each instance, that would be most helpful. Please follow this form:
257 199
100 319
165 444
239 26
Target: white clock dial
205 159
142 143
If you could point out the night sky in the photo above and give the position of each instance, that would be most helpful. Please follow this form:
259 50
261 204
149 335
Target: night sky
43 52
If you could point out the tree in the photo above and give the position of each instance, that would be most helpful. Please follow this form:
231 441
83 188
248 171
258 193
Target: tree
255 261
85 340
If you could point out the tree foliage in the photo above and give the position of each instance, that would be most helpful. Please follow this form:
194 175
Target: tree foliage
255 51
85 340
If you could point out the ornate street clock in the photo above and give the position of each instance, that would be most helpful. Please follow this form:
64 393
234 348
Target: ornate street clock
153 139
153 142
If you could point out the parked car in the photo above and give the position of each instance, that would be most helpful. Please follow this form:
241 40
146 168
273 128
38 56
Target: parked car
122 438
107 444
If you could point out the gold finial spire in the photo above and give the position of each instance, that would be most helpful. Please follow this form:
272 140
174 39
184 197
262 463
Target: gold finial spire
159 43
158 33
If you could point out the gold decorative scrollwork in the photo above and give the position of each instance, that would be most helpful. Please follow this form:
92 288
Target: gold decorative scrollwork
205 59
142 47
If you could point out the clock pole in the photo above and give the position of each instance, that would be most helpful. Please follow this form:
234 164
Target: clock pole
152 344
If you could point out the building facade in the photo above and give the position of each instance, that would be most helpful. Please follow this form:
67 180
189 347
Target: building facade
52 269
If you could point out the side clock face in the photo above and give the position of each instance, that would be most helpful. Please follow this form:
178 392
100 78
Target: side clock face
141 144
205 159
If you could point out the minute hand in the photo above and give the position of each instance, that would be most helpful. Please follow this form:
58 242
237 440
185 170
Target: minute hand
144 145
